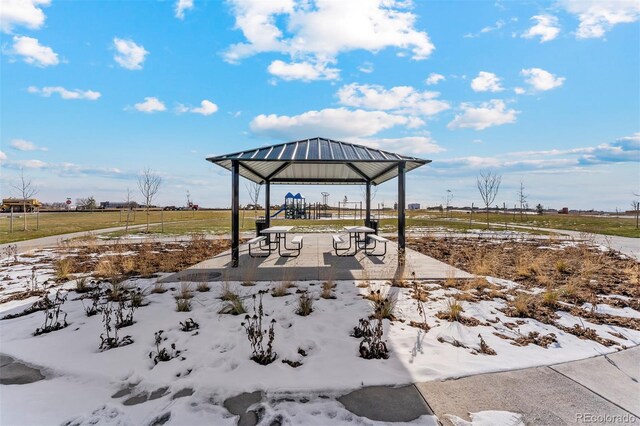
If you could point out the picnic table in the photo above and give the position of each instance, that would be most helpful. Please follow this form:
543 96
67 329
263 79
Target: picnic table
355 232
355 239
279 240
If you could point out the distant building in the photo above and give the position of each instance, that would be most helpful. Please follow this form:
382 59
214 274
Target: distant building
414 206
564 210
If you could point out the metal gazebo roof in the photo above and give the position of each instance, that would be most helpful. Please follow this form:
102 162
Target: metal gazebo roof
318 161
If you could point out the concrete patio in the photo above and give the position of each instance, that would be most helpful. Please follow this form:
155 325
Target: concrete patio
318 261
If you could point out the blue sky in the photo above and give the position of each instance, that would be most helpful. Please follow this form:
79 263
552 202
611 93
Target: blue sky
543 92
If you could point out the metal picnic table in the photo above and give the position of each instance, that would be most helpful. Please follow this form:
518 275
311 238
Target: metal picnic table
355 233
280 239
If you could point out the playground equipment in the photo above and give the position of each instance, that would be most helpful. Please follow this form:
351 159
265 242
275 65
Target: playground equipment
294 207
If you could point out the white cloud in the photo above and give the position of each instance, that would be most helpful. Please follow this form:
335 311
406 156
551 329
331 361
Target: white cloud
64 93
490 28
3 157
150 105
333 123
546 28
400 99
434 78
24 145
409 144
492 113
129 54
206 108
22 12
541 80
181 6
486 82
305 71
317 31
366 67
598 17
31 164
519 91
33 52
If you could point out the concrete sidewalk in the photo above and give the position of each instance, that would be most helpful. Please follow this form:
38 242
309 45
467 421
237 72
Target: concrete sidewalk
600 390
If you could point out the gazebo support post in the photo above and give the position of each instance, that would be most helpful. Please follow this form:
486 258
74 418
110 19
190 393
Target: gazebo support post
267 204
401 218
235 213
368 205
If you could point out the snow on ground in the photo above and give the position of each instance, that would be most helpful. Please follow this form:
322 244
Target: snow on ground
488 418
603 308
215 360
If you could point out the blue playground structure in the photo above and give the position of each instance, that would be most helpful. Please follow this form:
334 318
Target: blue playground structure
294 207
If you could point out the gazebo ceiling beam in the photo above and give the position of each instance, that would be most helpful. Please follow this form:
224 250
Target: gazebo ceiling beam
278 170
385 171
317 180
358 172
252 171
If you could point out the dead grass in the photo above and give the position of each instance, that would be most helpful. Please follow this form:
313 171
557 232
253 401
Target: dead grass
453 309
305 304
574 272
327 290
141 259
64 268
281 289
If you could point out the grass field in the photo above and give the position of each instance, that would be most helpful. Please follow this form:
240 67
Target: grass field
218 222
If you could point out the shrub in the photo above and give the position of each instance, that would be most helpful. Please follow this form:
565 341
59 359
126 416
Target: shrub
417 295
233 307
305 305
110 339
117 290
550 298
203 287
94 308
327 290
64 268
137 298
163 354
383 304
52 320
227 292
281 289
82 285
189 325
521 304
256 335
485 348
158 287
562 266
453 309
183 305
124 313
372 346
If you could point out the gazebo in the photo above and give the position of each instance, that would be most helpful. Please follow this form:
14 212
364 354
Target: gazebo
317 161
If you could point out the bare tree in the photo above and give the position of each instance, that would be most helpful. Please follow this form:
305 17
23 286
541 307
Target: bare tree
148 183
88 203
26 190
488 185
254 194
374 191
522 198
448 202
